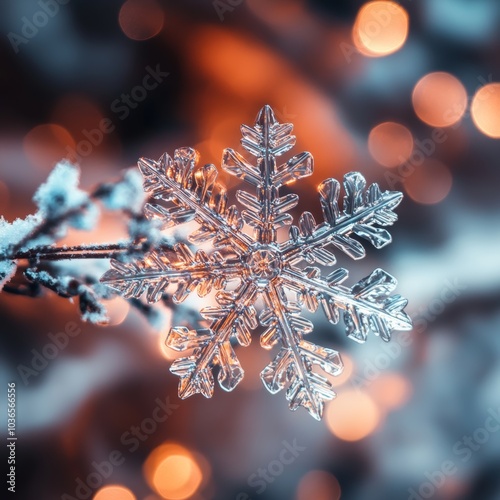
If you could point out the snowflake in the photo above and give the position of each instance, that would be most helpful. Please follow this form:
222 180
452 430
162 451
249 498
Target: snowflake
244 268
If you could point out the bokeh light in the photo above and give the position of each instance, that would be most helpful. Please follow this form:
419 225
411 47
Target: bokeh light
117 310
353 415
114 492
390 390
141 19
390 144
430 183
381 28
46 144
173 472
318 485
485 110
439 99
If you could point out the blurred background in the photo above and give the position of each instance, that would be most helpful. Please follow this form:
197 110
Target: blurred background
408 94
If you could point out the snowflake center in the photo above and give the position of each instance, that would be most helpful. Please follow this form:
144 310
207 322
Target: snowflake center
263 264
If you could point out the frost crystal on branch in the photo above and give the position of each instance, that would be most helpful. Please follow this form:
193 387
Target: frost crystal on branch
281 274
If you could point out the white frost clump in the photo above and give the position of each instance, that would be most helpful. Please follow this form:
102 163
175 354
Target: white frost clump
126 194
60 194
7 270
12 233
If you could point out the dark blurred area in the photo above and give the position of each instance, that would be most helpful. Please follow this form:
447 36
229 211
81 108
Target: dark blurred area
408 94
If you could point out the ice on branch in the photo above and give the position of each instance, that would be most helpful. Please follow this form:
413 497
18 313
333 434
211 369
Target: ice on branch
242 268
30 261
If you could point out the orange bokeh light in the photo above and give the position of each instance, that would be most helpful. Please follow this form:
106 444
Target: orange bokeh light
46 144
352 416
114 492
117 310
141 19
390 144
390 390
485 110
430 183
173 472
318 485
380 28
439 99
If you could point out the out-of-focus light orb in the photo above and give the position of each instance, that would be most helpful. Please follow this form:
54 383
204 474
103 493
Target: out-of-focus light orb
439 99
430 183
390 390
141 19
485 110
117 309
318 485
114 492
46 144
380 28
173 472
354 417
390 144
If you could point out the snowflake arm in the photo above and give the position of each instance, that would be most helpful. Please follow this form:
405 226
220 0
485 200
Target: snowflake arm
293 365
359 216
367 305
187 271
196 195
267 140
212 347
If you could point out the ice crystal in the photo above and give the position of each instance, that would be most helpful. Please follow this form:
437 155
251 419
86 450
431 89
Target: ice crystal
259 266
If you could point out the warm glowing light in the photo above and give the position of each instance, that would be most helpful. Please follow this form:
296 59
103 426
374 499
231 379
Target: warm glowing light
390 390
141 19
114 492
430 183
390 144
353 415
439 99
46 144
117 309
173 472
318 485
346 372
380 28
485 110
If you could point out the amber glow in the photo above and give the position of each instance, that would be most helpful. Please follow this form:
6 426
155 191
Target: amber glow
117 309
352 416
485 110
114 492
265 78
141 19
390 144
318 485
390 390
439 99
380 28
430 183
46 144
173 472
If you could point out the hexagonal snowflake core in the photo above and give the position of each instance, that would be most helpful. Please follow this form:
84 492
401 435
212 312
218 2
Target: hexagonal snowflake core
263 263
263 266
